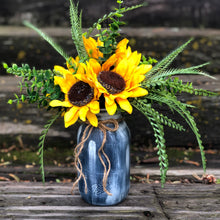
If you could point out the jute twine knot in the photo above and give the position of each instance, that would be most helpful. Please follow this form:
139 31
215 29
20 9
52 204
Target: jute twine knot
102 125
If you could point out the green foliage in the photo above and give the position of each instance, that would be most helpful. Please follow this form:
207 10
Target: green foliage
163 64
156 123
42 142
175 85
149 61
48 39
171 101
38 85
76 30
109 35
118 13
163 88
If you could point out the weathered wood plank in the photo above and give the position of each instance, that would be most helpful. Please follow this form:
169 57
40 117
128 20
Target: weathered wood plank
190 201
145 201
55 200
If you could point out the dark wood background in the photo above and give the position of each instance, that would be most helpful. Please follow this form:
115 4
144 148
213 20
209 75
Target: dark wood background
175 13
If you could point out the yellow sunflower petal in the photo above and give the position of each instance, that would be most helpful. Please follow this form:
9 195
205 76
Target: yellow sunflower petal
72 121
92 119
94 107
70 80
61 70
91 47
83 112
123 95
64 85
122 68
56 103
143 69
122 44
96 67
138 92
111 109
70 114
109 99
109 63
125 105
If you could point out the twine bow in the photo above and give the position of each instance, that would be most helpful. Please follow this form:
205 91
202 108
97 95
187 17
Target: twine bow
86 134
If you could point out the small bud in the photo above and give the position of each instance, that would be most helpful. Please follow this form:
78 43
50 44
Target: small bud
98 27
5 65
10 101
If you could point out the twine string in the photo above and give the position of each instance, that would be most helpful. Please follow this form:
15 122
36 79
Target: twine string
86 134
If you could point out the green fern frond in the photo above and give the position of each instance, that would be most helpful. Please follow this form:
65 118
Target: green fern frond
181 108
159 139
173 72
76 30
177 85
162 118
48 39
163 64
42 142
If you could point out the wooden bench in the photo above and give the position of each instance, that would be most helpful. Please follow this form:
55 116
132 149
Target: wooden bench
33 200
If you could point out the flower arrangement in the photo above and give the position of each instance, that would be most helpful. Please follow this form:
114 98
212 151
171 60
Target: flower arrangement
108 74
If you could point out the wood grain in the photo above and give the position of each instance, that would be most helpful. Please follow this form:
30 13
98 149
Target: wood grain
145 201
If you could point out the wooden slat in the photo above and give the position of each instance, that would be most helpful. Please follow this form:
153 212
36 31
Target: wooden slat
190 201
52 200
145 201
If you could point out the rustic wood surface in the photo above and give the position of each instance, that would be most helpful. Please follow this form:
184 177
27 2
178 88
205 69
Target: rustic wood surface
145 201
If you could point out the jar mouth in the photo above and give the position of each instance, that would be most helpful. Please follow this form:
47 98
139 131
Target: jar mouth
103 115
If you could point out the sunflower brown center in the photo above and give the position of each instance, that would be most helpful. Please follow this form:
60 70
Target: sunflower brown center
80 94
111 81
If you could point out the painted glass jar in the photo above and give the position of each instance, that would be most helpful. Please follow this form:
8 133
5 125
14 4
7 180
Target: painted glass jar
117 149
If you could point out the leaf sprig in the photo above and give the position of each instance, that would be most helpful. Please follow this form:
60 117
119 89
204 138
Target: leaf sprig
37 85
117 13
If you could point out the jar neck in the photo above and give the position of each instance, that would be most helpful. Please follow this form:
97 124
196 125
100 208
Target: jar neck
103 115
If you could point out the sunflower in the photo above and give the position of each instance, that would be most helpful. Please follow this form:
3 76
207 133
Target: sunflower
119 79
81 96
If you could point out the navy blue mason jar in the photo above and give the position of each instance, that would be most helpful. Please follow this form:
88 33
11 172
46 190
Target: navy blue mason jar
117 148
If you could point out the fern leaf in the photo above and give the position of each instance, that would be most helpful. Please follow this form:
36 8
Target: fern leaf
163 64
177 85
159 139
173 72
48 39
76 30
181 108
162 118
42 142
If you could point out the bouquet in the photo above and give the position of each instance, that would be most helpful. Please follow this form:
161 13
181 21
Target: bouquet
108 75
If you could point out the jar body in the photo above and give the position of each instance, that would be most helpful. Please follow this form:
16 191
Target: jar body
117 148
